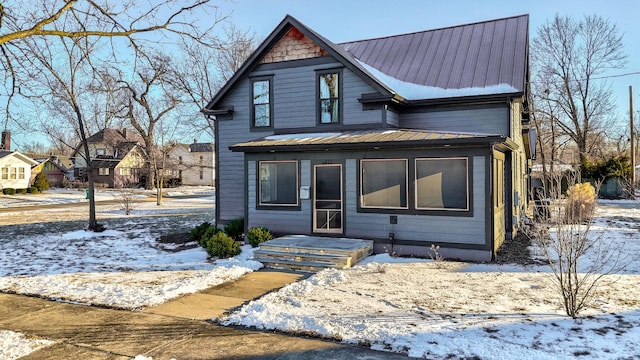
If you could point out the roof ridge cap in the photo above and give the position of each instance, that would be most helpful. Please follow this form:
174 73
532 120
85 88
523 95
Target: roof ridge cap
429 30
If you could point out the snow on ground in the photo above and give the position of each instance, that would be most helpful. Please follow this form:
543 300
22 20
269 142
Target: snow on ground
15 345
418 307
458 310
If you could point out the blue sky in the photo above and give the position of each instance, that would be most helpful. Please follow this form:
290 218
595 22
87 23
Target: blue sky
345 20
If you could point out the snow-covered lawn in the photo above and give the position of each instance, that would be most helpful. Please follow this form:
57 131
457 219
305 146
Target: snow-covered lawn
458 310
418 307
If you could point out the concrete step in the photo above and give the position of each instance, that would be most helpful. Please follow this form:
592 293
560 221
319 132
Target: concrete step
307 266
308 253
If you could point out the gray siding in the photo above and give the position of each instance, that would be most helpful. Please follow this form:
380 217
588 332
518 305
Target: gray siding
482 119
393 118
282 221
294 97
231 193
430 229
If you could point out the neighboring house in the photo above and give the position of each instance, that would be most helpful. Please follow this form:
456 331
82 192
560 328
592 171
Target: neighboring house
54 169
124 169
409 140
15 170
103 144
194 164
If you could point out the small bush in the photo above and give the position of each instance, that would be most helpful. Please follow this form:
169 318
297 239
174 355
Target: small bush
581 200
41 182
33 190
21 191
202 232
221 246
9 191
257 235
235 229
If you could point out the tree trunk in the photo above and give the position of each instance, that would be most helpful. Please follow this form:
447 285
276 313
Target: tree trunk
93 223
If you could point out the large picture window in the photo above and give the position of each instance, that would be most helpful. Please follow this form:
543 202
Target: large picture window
278 185
261 103
442 184
383 184
329 97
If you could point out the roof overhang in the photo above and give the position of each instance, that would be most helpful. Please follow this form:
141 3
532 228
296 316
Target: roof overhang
366 139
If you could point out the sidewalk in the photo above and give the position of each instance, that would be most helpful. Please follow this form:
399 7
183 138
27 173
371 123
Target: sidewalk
176 329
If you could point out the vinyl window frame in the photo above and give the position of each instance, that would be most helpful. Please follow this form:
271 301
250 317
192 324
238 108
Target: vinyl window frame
320 99
269 103
444 209
406 184
272 205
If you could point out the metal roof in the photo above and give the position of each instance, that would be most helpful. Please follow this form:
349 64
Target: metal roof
474 55
362 139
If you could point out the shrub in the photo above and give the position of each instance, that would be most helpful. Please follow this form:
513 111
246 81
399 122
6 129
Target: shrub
221 246
33 190
235 229
9 191
581 200
202 232
41 182
21 191
257 235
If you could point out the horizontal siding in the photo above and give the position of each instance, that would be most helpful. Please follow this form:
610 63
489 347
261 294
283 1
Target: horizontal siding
393 118
294 97
282 221
231 192
482 119
430 229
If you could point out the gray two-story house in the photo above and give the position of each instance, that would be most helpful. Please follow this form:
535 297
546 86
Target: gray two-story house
408 140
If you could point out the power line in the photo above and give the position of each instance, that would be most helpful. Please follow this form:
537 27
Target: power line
593 78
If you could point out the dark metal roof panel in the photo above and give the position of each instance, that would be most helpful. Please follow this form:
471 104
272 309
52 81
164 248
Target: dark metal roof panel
360 138
467 56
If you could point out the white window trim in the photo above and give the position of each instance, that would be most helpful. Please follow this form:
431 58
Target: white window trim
259 187
415 179
406 179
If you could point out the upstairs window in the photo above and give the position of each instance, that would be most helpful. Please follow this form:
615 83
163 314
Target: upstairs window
329 92
261 103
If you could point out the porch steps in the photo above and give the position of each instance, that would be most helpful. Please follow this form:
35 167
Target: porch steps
309 253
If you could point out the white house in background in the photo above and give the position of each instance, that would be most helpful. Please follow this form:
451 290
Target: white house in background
15 170
194 164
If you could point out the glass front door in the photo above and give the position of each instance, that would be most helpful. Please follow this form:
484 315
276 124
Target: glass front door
327 198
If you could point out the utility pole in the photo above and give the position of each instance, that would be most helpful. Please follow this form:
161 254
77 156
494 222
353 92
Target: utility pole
633 147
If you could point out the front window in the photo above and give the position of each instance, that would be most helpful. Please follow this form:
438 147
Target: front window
278 184
21 173
383 184
261 103
329 97
124 171
5 173
13 173
103 171
442 184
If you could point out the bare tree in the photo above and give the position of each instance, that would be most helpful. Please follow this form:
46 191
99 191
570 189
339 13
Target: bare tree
572 55
86 31
577 256
152 98
202 71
